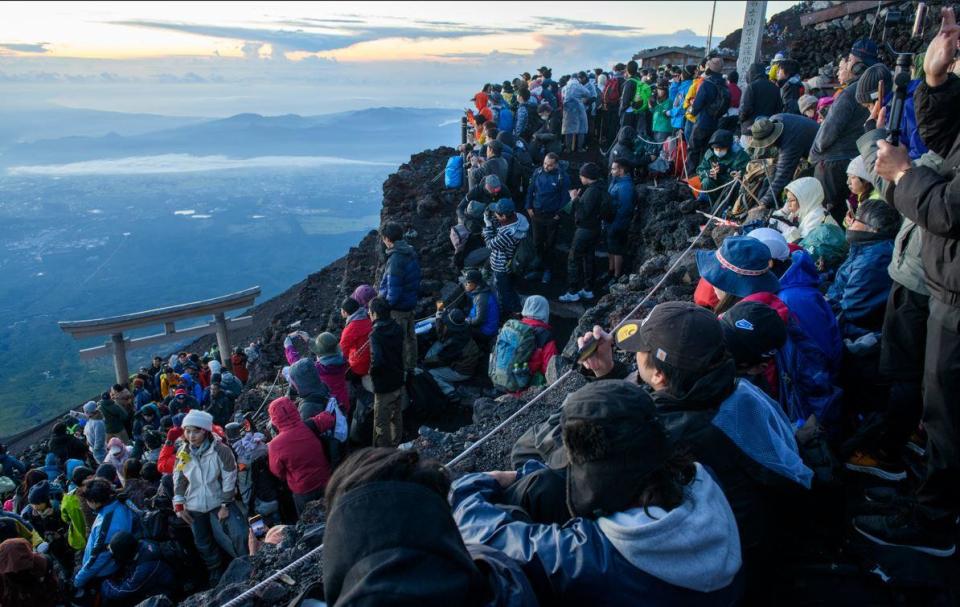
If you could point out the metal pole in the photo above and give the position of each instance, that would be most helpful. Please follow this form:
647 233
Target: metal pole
223 340
713 14
120 358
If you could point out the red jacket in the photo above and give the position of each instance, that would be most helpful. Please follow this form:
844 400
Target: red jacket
355 345
705 295
239 364
735 94
296 455
546 347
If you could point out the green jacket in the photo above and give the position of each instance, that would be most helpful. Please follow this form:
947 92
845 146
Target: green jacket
114 416
735 160
71 511
661 121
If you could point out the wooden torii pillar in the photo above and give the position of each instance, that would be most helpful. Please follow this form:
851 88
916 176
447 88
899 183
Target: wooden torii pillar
115 326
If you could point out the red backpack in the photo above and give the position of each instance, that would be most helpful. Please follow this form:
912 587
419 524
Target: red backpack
611 92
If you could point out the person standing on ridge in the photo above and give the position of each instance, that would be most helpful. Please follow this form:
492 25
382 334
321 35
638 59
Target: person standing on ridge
400 287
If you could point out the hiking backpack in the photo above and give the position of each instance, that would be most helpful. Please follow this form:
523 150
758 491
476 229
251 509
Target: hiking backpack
459 235
505 120
453 173
525 259
509 370
641 95
534 123
611 93
721 102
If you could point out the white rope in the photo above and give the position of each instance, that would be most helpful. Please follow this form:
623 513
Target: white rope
483 439
269 391
677 136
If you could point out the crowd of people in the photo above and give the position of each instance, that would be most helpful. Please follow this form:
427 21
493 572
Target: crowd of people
827 331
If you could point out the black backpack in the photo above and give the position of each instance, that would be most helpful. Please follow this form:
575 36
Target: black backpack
721 102
534 122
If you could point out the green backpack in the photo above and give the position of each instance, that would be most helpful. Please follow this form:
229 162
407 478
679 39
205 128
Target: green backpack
641 97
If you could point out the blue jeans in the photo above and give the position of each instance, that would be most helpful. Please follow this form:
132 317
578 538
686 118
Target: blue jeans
506 295
211 535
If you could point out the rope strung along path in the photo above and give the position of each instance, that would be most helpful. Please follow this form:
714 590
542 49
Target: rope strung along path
240 598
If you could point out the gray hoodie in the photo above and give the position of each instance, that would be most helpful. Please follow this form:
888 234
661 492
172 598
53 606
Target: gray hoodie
696 545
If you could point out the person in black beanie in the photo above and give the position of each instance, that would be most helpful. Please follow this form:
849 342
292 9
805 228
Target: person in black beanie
589 203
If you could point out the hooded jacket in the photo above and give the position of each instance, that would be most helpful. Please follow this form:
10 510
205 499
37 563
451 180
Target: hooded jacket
78 517
623 148
794 144
503 241
140 422
484 315
332 372
859 291
545 348
355 342
811 213
386 356
314 394
97 561
238 362
800 291
790 94
400 284
838 134
96 434
148 575
761 98
622 195
392 542
296 455
687 556
711 86
588 206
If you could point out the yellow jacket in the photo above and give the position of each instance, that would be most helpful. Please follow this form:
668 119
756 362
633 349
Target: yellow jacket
168 382
691 95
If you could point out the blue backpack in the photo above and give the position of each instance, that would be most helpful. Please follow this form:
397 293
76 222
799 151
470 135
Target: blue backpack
505 121
509 370
453 174
806 383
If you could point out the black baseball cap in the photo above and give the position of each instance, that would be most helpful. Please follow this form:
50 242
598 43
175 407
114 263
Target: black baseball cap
614 440
679 333
753 332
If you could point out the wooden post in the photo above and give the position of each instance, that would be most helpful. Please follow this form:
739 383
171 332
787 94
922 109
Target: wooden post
120 358
223 340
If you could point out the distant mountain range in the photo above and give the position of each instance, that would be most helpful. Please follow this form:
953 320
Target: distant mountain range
393 132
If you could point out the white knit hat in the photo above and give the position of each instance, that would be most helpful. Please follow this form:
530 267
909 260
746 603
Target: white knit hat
198 419
858 168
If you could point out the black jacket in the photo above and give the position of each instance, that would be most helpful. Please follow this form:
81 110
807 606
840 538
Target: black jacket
628 90
760 98
67 446
837 138
798 135
623 148
587 206
790 94
480 194
930 200
386 356
456 349
391 542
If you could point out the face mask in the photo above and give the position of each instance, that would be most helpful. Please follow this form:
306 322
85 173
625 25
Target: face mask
720 153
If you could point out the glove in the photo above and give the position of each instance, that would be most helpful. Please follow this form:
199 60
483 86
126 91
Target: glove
173 434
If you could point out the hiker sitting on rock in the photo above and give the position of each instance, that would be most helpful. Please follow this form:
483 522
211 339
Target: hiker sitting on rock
454 356
524 348
483 315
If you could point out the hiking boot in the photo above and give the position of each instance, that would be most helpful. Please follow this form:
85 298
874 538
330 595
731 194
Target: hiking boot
917 444
868 463
883 501
908 530
569 297
584 294
547 276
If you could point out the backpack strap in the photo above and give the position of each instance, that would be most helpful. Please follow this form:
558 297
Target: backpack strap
101 544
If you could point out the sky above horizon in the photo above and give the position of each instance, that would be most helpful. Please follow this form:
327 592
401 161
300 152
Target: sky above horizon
216 59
